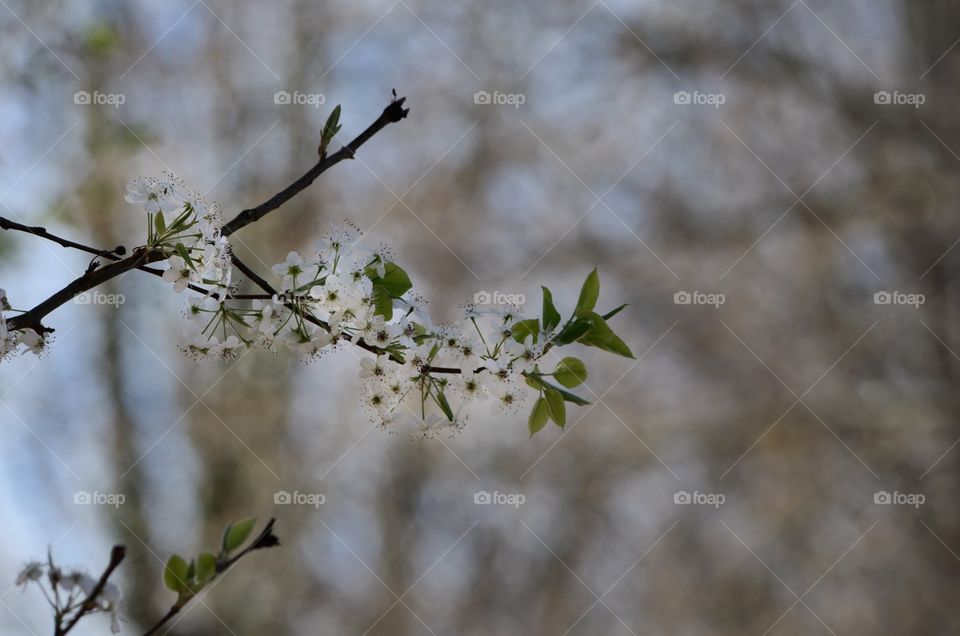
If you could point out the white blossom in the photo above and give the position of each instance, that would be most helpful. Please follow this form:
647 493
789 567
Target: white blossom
155 195
30 573
289 270
30 339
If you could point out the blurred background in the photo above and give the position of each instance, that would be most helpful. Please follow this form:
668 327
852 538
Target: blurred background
796 157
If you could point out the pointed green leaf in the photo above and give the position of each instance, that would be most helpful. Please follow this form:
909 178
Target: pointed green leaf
570 372
540 384
183 253
556 408
572 331
394 279
237 532
538 417
159 223
206 567
444 405
601 336
525 328
588 293
175 573
614 312
551 317
382 303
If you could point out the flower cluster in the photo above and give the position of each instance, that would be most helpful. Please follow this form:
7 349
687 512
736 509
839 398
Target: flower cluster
421 376
22 340
182 223
69 591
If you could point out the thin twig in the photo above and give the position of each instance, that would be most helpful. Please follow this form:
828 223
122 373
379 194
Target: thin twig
266 539
394 112
90 603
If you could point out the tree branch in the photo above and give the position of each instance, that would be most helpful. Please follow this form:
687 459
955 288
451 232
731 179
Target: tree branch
115 255
141 257
116 556
266 539
394 112
33 319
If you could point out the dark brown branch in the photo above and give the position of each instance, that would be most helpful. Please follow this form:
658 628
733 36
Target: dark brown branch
392 113
32 319
173 611
93 278
90 603
115 255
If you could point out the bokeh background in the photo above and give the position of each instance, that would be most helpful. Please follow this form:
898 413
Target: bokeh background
798 399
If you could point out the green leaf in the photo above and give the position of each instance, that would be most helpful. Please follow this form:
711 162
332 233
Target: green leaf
556 407
159 223
332 125
601 336
570 372
330 129
525 328
551 317
444 405
615 345
572 331
206 567
175 573
237 532
393 284
394 279
588 293
382 303
183 253
614 312
538 417
573 398
537 382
